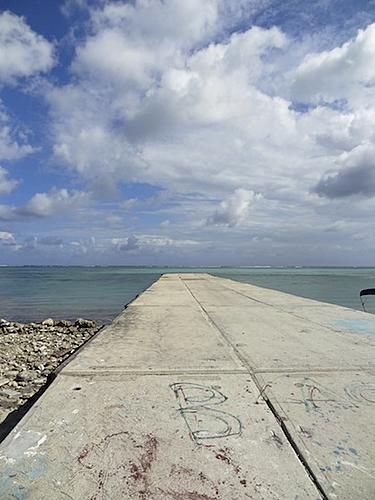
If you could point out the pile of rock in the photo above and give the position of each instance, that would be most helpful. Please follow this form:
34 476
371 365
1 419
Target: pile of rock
29 352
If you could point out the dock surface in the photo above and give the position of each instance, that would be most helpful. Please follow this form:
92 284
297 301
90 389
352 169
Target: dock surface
204 388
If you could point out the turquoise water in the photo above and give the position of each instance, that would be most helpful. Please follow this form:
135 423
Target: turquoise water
34 293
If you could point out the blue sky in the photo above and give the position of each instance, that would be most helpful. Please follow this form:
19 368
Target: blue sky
236 132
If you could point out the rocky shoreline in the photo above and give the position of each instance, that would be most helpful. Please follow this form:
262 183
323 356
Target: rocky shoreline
29 352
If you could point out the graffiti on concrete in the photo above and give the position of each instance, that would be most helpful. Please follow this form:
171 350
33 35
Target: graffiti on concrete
198 407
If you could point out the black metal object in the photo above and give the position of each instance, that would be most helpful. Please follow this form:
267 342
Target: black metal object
364 292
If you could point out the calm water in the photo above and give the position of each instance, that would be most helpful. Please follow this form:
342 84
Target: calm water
35 293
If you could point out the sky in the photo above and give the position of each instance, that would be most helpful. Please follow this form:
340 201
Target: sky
196 132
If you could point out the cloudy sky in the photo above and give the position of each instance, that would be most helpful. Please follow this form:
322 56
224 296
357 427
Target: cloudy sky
195 132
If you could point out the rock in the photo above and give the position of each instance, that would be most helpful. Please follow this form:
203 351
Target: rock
48 322
63 322
40 381
27 395
10 393
85 323
4 381
29 352
25 376
8 403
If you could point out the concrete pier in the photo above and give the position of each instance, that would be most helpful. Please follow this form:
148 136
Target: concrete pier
205 388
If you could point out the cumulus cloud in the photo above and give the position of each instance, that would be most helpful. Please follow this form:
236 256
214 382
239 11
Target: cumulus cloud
234 210
130 244
184 23
22 51
153 99
69 7
129 203
6 185
192 112
56 202
7 238
6 212
163 242
149 242
12 147
164 93
340 73
356 177
82 246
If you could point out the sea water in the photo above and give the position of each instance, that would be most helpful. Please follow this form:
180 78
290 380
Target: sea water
33 293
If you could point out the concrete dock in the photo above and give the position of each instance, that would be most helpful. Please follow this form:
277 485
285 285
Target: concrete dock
205 388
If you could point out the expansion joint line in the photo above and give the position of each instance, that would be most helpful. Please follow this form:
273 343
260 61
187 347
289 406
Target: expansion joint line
295 447
269 403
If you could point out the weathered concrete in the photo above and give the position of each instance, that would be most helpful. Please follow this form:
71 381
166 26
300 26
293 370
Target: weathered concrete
205 388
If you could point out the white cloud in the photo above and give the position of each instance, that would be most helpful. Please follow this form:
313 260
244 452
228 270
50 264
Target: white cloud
129 244
6 185
6 212
162 93
57 202
356 175
159 116
82 246
129 203
69 7
336 131
22 51
344 72
182 23
161 241
114 219
141 242
7 238
234 210
12 147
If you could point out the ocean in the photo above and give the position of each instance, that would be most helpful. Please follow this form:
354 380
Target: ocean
33 293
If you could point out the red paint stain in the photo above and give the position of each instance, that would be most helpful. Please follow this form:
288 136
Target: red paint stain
224 455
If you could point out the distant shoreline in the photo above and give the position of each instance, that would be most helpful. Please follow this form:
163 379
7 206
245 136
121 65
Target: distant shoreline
191 268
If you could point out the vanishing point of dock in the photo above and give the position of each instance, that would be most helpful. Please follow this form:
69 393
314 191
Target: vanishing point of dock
205 388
